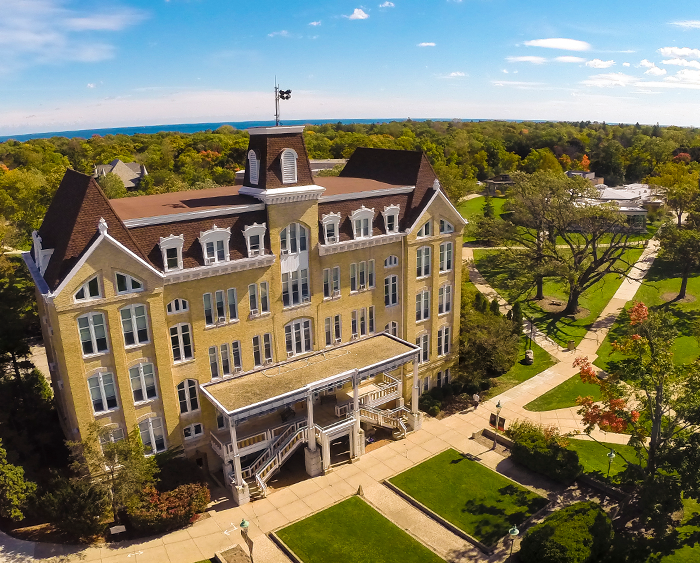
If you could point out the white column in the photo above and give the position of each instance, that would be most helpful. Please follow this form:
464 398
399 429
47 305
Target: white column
310 432
238 473
326 446
355 434
416 386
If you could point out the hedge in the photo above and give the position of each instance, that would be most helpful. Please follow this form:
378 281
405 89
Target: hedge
579 533
154 512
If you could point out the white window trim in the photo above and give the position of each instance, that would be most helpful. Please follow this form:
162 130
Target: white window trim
184 306
300 321
450 228
443 300
129 278
188 397
361 214
172 241
85 288
139 366
443 342
284 156
446 245
179 326
390 278
92 334
331 219
153 436
391 261
193 435
391 210
422 251
297 242
421 234
99 376
421 315
253 167
214 235
252 230
419 342
134 329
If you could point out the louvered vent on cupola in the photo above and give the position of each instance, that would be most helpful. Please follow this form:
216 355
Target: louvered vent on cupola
288 162
253 167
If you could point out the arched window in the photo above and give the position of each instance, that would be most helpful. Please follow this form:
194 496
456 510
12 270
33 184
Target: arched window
128 284
187 395
89 290
215 244
391 261
178 306
293 239
425 230
297 336
392 328
253 167
288 162
446 227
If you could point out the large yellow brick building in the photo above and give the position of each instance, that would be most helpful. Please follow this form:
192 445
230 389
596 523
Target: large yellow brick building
245 323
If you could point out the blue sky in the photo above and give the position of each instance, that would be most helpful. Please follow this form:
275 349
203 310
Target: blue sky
74 64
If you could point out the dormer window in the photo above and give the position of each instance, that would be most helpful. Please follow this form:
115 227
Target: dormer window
253 167
446 227
254 235
391 219
331 224
89 290
128 284
293 239
426 230
288 162
215 244
362 222
171 248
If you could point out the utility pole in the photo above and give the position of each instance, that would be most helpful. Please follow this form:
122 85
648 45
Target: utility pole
280 95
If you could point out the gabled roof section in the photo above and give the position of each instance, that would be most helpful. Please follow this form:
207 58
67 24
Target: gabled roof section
71 222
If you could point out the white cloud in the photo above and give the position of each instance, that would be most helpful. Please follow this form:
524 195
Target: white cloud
455 74
426 44
656 71
685 52
358 14
283 33
527 59
315 23
104 22
685 75
646 64
568 59
90 85
688 24
681 62
609 80
625 64
505 71
560 43
597 63
386 4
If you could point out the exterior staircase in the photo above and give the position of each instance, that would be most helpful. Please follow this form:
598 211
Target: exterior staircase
396 419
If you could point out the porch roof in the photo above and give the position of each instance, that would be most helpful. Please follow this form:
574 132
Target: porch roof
290 381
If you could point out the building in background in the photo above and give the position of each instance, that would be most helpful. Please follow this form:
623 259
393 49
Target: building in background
131 173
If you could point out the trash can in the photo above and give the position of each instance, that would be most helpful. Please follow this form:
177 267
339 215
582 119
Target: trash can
572 345
529 357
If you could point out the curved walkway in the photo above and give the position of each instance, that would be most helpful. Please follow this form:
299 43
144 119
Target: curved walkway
219 531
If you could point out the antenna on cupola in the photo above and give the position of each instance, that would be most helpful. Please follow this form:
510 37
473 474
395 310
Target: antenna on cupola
280 95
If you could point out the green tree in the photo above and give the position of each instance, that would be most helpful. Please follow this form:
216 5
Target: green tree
77 507
112 185
679 184
15 491
489 211
682 247
494 307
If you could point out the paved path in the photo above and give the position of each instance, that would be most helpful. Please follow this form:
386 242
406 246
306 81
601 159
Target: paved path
203 539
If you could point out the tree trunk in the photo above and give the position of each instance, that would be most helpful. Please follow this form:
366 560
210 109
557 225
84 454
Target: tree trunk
572 304
539 282
684 282
680 215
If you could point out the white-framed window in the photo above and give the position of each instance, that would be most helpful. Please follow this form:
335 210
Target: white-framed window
193 431
255 239
295 287
370 273
362 222
391 218
221 420
151 431
426 384
134 325
353 277
422 305
331 226
225 360
262 348
171 249
253 167
445 256
294 239
426 230
443 343
232 298
333 330
297 337
444 299
443 377
143 383
214 362
331 282
370 316
236 355
178 306
208 309
446 227
187 396
392 328
288 164
103 392
181 342
89 290
391 261
359 322
110 435
258 298
391 290
93 334
220 303
215 245
423 341
423 261
128 284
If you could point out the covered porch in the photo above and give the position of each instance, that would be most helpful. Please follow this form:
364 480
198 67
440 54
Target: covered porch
266 415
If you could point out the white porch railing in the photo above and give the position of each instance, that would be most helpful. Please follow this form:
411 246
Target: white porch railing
388 390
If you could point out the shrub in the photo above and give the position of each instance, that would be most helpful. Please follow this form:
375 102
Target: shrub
457 388
471 388
579 533
543 450
436 393
154 512
176 470
447 391
76 507
484 384
434 410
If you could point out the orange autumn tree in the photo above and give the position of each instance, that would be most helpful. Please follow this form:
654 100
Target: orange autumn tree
585 163
657 402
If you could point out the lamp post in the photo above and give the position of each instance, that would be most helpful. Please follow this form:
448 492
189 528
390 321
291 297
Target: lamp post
611 456
244 533
498 415
513 533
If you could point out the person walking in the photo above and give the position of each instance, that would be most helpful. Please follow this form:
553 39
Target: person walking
476 400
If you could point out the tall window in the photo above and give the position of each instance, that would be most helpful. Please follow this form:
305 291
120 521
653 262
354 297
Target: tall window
333 330
391 290
361 220
181 342
89 290
422 305
93 335
143 382
391 218
353 277
370 316
134 325
331 282
258 298
295 287
102 392
262 346
187 395
215 244
370 273
293 239
208 310
172 259
171 250
225 360
443 377
151 431
444 299
423 261
359 322
423 341
254 236
331 223
253 167
214 362
232 304
128 284
445 227
288 164
236 355
425 230
392 328
220 306
297 337
445 256
177 306
443 343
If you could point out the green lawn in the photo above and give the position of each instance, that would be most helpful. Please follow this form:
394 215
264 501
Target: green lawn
558 328
593 457
661 279
690 527
475 206
520 372
564 395
472 497
353 532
